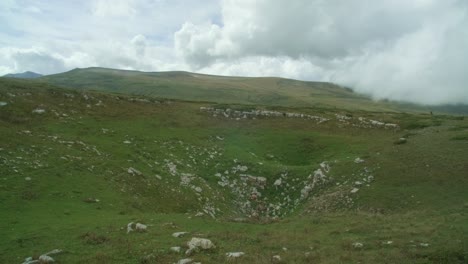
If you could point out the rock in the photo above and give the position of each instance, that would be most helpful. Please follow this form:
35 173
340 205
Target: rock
27 178
176 249
134 171
129 227
185 261
198 243
423 244
277 182
358 160
276 259
45 259
38 111
127 142
140 227
3 103
387 242
357 245
231 255
179 234
354 190
29 260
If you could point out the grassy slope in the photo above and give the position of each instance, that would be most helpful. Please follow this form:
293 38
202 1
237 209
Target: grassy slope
241 90
418 195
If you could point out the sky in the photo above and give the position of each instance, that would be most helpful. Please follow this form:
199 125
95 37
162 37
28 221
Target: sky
415 51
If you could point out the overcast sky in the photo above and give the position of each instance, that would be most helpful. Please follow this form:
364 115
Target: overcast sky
399 49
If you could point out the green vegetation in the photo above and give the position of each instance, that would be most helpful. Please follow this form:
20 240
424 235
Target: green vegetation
222 89
66 180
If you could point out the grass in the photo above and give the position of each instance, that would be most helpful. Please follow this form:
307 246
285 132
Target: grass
267 91
80 149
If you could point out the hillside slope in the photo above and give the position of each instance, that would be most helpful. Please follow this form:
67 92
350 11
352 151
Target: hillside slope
24 75
78 166
221 89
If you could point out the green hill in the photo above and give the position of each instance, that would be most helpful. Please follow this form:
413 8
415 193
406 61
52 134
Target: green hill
221 89
24 75
310 184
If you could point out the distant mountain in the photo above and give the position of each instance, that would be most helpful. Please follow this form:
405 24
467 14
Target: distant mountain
181 85
24 75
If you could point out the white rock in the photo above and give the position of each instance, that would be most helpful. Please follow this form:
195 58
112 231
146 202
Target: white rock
354 190
358 160
185 261
127 142
38 111
140 227
134 171
129 227
27 178
45 259
179 234
277 182
175 249
424 244
276 258
235 254
357 245
198 243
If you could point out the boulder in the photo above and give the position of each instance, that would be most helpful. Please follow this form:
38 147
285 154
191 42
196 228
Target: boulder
231 255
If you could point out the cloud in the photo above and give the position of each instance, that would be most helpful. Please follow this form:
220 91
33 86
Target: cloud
396 49
405 50
113 8
33 59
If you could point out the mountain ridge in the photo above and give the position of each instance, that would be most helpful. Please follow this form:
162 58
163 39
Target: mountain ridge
24 75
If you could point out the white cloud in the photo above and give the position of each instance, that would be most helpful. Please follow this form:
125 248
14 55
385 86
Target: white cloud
113 8
398 49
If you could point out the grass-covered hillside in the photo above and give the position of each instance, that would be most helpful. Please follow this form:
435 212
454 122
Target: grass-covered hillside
222 89
280 184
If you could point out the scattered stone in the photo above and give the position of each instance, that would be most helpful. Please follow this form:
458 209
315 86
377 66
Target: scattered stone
3 103
134 171
43 259
354 190
277 182
38 111
198 243
140 227
358 160
136 227
91 200
129 227
387 242
185 261
423 244
232 255
179 234
357 245
127 142
176 249
27 178
276 258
